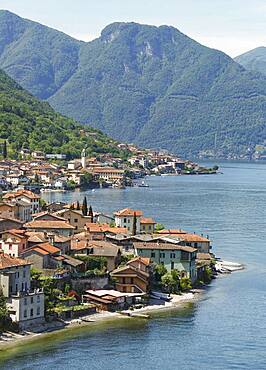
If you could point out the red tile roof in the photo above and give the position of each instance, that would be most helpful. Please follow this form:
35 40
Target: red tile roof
46 224
128 212
7 261
147 220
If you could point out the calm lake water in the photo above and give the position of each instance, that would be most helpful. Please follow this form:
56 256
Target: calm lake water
226 329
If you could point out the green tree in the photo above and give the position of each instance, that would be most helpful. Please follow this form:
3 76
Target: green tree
159 227
86 179
134 228
4 150
185 284
91 214
43 204
3 310
160 270
78 206
85 207
169 282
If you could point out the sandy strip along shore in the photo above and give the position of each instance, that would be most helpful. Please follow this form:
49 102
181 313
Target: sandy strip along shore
9 340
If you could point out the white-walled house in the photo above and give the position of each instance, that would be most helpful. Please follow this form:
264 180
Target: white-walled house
125 218
25 306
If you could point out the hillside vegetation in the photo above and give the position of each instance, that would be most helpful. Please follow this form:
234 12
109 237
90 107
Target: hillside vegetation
150 85
254 60
27 122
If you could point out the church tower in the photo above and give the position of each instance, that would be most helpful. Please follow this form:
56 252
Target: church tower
83 158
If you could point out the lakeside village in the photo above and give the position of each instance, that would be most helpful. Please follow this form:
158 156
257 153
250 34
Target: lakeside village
63 263
38 171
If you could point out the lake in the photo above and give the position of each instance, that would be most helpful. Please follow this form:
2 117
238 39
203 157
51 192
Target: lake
226 329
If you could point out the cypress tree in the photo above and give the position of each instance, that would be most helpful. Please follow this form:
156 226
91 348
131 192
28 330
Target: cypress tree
134 229
4 150
78 206
91 214
85 207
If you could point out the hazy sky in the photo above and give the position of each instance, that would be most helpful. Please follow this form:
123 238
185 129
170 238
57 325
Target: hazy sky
233 26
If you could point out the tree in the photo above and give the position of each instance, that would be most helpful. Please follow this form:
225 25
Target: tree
134 228
43 205
3 310
86 179
160 270
91 214
4 150
78 206
85 207
169 282
159 227
185 284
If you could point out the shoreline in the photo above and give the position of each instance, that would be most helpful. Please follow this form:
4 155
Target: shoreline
102 317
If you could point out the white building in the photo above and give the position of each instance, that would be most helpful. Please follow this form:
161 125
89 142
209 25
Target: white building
25 306
125 218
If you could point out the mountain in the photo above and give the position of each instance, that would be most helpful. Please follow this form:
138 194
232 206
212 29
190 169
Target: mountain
150 85
27 122
38 57
254 60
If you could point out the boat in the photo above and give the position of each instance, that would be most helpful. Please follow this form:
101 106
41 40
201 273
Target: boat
160 295
143 185
227 266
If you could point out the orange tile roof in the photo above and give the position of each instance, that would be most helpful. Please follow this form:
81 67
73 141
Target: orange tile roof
128 212
47 247
147 220
144 260
7 261
193 238
46 224
103 228
171 231
26 193
39 250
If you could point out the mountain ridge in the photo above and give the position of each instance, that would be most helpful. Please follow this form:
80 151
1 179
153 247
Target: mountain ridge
26 122
254 60
153 86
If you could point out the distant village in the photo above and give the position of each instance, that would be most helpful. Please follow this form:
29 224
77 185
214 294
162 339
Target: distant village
66 261
38 171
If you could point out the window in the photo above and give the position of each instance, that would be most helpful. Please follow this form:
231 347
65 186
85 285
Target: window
24 273
149 227
38 310
31 300
31 312
38 298
172 255
25 301
172 265
25 313
152 254
125 220
162 255
76 220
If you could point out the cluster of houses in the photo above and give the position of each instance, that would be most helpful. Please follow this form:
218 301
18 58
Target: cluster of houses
58 241
37 170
